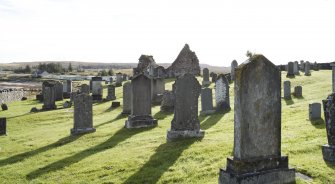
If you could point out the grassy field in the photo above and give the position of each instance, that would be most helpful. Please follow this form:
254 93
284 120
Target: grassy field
39 148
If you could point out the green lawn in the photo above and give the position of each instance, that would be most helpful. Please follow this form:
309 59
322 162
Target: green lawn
39 148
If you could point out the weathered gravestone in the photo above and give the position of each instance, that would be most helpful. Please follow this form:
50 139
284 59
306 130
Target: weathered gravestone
328 150
58 91
302 65
296 68
167 104
119 79
97 90
111 80
49 96
214 77
3 126
298 91
316 66
257 127
185 123
111 92
124 77
4 107
287 90
307 69
233 66
333 76
314 111
206 101
84 88
140 103
126 98
83 115
205 75
222 94
67 89
157 90
290 69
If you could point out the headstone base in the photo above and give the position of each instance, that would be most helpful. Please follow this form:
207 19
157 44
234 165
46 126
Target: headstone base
140 121
77 131
175 134
97 97
109 98
49 107
206 83
328 153
207 112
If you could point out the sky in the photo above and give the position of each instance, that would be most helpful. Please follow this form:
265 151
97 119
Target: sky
119 31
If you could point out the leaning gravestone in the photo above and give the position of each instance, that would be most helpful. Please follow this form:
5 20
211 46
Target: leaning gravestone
140 103
185 122
205 75
49 96
328 150
307 69
314 111
296 68
290 69
257 133
298 91
206 101
58 91
3 125
126 98
83 115
233 66
111 92
222 94
167 104
287 90
84 88
97 89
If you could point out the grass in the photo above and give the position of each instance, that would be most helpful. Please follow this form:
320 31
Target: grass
39 148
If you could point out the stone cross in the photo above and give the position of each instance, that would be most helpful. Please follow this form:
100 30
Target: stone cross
287 90
83 114
3 125
290 69
307 69
97 90
140 103
49 96
222 93
314 111
206 101
233 66
328 150
111 92
205 75
167 104
126 98
257 126
185 122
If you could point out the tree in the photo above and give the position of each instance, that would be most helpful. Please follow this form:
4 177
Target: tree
70 68
27 69
103 73
110 72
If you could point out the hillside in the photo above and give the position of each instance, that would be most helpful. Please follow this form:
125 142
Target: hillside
39 148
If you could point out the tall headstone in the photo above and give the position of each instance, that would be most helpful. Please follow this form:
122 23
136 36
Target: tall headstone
233 66
298 91
49 96
205 75
257 127
111 92
316 66
83 114
67 88
58 90
333 76
206 101
185 122
84 88
3 126
328 150
290 69
314 111
140 103
157 90
307 69
222 94
126 98
167 104
296 68
302 65
214 77
97 90
287 90
119 79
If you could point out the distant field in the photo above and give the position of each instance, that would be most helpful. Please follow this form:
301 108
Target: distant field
39 148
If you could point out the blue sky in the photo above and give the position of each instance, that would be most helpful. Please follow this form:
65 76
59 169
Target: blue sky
120 31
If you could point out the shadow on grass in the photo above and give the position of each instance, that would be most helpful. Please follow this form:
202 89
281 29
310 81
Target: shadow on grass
299 97
330 164
162 115
20 157
290 76
318 123
289 101
19 115
211 121
165 156
120 116
118 137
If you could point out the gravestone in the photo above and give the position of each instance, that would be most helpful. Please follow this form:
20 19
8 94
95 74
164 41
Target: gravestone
257 127
111 80
97 90
214 77
185 123
287 90
84 88
67 89
290 69
3 126
39 97
83 114
205 75
126 98
206 101
302 65
90 85
124 77
49 96
115 104
333 76
157 90
167 104
58 90
4 107
298 91
314 111
307 69
222 94
316 66
111 92
119 79
233 66
296 68
140 103
328 150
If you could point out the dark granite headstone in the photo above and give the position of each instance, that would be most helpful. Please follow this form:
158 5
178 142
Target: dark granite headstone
298 91
49 96
83 114
287 90
39 97
167 104
3 126
257 127
314 111
290 69
328 150
205 75
222 94
206 101
126 98
185 123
